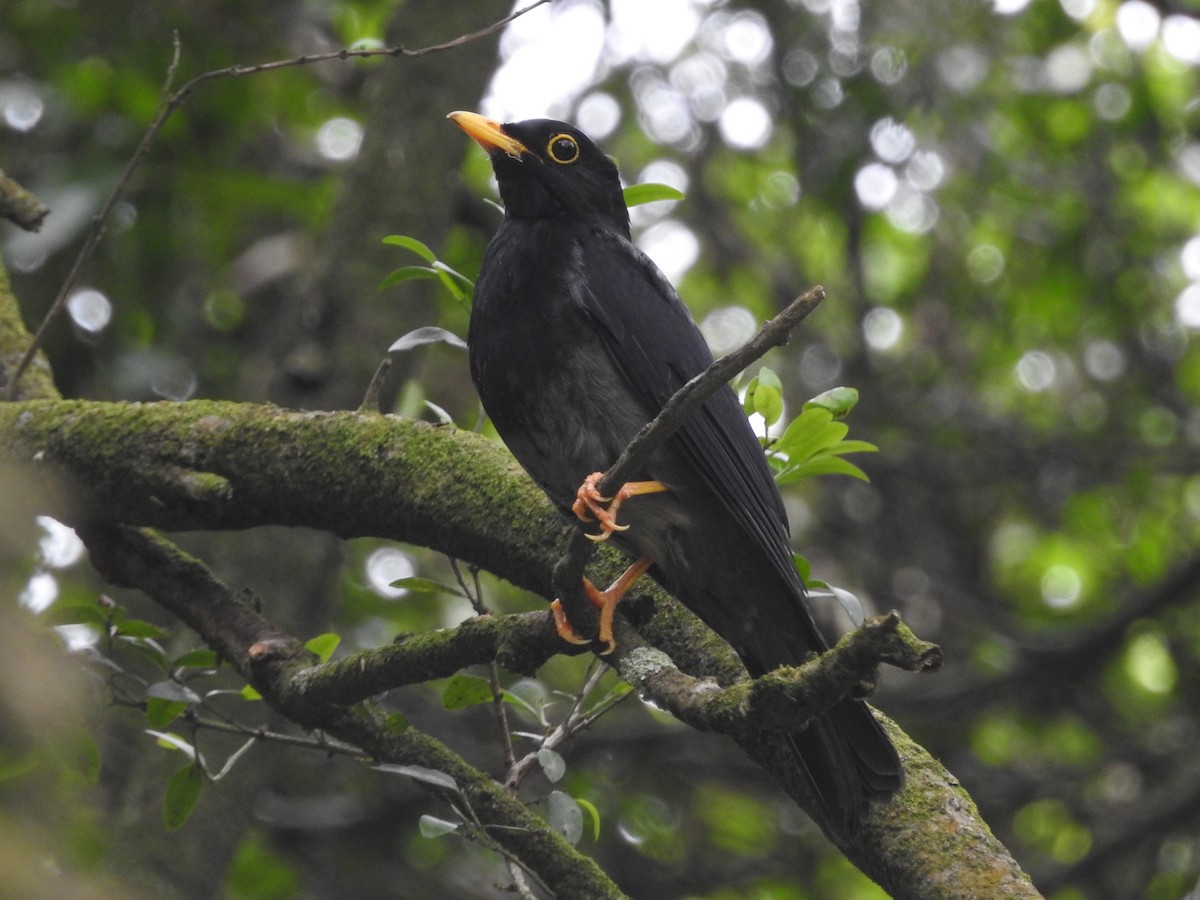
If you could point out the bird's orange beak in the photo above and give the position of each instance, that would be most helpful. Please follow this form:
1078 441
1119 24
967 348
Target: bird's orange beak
488 134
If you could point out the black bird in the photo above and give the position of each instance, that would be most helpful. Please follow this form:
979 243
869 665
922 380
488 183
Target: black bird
576 341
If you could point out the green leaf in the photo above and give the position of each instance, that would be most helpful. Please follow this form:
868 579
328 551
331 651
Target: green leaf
196 659
76 614
748 396
522 703
170 741
593 814
821 465
466 690
803 429
427 334
136 628
411 243
249 693
838 400
183 790
854 447
768 403
637 194
458 276
451 285
565 816
770 379
554 767
803 567
419 585
851 604
161 712
407 273
323 645
147 648
809 433
764 395
433 827
395 723
434 777
172 690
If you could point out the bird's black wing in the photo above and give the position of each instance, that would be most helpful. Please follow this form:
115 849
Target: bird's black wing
844 755
656 345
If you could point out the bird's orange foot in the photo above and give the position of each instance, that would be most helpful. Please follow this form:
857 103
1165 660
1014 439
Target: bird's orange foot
591 505
606 601
565 629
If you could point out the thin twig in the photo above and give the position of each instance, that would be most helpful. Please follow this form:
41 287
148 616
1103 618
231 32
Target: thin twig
100 220
475 596
324 745
520 885
170 102
574 722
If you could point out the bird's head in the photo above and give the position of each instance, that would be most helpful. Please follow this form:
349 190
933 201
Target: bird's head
548 169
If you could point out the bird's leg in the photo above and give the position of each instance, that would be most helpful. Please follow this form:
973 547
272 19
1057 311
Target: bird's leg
590 504
606 601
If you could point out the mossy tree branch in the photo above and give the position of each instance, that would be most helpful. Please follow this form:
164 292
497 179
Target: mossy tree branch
271 661
208 465
109 467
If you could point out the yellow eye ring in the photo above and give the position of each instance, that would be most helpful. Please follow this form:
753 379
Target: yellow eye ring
562 148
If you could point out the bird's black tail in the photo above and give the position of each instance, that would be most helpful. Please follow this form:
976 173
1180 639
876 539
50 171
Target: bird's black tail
846 760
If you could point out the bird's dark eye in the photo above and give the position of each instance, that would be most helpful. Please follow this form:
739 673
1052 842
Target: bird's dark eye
563 149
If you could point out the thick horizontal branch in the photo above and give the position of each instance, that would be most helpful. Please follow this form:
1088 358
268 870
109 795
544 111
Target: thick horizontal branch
218 466
786 699
520 642
211 466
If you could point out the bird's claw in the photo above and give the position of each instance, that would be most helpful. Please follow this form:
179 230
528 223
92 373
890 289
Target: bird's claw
565 629
606 601
591 505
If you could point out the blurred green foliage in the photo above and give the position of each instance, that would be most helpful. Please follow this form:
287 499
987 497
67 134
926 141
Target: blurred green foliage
1004 210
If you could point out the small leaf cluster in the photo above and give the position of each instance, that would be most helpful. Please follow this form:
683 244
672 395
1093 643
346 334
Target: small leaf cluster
169 689
814 442
564 812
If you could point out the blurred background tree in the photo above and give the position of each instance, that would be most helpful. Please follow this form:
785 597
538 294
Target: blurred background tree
1003 201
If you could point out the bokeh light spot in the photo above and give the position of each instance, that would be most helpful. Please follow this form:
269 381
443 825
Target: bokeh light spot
339 139
385 565
90 310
